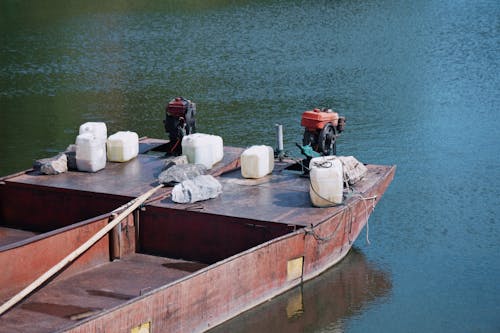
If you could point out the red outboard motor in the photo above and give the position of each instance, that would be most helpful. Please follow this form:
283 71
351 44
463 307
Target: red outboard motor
322 127
179 121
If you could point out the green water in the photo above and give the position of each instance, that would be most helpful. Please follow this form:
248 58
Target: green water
417 80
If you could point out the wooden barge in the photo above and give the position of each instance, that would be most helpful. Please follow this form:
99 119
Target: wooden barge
167 267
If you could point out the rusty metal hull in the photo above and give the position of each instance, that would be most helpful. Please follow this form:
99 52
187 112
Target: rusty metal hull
167 267
323 303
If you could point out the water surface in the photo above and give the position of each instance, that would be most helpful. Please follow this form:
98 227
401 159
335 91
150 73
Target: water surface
417 80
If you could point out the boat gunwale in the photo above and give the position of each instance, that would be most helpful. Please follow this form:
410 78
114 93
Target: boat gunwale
51 233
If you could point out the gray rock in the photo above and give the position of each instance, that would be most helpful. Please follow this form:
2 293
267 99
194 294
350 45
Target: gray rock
181 172
198 189
54 165
177 160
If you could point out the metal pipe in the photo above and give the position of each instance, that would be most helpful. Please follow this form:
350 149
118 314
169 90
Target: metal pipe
279 140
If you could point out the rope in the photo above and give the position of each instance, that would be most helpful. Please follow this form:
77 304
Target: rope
175 146
332 204
347 215
323 164
310 231
327 164
364 199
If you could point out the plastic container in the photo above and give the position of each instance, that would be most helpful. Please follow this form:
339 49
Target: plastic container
203 149
257 161
122 146
326 181
218 145
90 153
98 129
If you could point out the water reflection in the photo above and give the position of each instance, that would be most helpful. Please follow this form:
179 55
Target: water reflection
320 305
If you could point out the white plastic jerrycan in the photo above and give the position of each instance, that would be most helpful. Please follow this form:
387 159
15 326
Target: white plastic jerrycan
98 129
203 149
257 161
122 146
326 181
90 153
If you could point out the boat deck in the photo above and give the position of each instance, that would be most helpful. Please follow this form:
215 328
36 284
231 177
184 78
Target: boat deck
9 235
129 179
282 197
103 287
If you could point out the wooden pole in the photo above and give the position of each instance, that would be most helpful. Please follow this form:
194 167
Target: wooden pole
73 255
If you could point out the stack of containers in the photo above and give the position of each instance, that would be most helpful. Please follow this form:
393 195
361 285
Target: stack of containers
257 161
203 149
326 175
122 146
91 147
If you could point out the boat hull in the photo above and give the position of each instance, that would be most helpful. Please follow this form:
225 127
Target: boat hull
170 267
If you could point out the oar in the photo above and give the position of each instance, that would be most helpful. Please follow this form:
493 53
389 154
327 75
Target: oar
73 255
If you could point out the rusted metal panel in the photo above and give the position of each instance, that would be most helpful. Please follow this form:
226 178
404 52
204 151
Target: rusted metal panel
210 296
280 198
43 209
123 238
327 242
64 301
9 235
343 290
83 195
198 236
24 262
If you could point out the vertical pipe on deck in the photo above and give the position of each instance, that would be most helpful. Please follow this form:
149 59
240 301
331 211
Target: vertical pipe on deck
279 141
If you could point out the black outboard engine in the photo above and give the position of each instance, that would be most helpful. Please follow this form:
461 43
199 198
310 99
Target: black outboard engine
179 121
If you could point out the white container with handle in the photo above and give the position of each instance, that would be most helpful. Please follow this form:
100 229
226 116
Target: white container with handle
122 146
257 161
327 183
